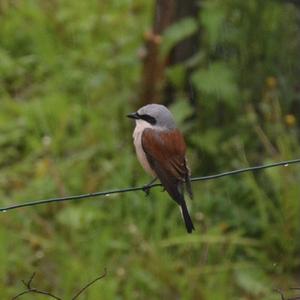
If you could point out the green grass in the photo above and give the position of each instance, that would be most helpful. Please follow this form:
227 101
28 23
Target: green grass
69 73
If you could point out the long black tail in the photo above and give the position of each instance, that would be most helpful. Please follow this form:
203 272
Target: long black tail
174 187
187 219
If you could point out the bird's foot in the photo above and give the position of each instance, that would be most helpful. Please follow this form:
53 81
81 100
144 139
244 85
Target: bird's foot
146 188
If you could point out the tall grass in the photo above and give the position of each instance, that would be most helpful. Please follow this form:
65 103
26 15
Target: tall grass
69 73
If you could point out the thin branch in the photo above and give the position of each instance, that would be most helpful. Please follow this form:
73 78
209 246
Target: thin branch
142 188
88 285
282 295
30 289
280 292
294 289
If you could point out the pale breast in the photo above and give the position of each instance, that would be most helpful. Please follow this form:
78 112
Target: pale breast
137 140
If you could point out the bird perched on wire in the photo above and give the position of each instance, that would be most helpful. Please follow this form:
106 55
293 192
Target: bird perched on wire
160 149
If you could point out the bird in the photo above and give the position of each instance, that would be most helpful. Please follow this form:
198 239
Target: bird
161 150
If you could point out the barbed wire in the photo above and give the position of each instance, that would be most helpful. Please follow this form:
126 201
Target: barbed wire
146 188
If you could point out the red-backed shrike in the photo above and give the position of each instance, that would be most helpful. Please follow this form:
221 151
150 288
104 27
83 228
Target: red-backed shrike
160 148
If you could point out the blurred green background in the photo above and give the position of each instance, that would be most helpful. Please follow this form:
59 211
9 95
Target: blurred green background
69 73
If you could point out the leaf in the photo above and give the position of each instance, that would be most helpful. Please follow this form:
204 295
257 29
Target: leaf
78 218
176 74
213 18
253 280
217 80
177 33
208 140
181 110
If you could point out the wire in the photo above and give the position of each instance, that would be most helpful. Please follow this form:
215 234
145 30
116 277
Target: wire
147 187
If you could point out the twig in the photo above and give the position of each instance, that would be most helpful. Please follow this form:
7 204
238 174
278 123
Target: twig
88 285
280 292
142 188
30 289
282 295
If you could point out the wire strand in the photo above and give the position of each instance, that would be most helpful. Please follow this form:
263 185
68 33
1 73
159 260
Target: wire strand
142 188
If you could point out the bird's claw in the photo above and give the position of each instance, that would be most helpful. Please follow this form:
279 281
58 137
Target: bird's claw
146 189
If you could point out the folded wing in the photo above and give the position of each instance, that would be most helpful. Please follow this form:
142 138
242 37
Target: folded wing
165 151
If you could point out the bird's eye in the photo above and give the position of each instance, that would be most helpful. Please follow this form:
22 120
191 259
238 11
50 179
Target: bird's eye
148 119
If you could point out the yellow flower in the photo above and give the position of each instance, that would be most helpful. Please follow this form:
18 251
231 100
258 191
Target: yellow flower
271 82
290 120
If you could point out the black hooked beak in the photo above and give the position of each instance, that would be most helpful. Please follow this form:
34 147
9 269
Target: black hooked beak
133 115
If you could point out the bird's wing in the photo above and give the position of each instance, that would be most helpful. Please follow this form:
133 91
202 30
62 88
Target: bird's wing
165 151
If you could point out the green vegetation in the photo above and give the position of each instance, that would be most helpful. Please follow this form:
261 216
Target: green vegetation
69 73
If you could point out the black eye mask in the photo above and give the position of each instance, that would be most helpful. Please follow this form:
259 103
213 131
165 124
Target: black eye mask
148 119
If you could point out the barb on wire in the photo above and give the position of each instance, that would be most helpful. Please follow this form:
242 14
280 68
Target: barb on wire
30 289
142 188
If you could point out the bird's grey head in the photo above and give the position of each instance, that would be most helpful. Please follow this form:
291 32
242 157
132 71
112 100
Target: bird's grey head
155 114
